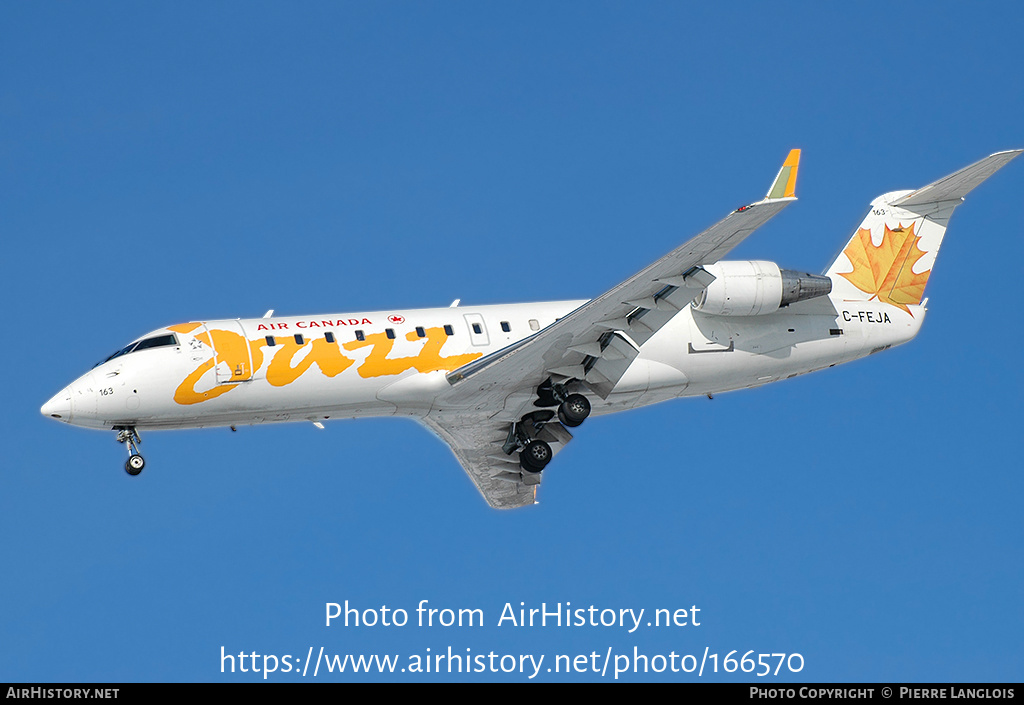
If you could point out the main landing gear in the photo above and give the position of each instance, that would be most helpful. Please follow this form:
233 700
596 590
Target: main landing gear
531 436
535 456
573 408
534 452
129 436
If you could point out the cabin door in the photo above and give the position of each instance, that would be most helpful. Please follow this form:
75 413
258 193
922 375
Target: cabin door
232 352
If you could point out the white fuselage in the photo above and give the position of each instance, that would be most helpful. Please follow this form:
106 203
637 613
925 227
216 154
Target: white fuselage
220 373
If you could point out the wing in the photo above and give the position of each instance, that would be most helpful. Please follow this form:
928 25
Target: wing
590 348
476 442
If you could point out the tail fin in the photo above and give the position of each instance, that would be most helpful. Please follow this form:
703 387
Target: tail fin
890 256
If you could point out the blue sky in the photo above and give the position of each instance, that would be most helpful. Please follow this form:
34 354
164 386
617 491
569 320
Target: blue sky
174 162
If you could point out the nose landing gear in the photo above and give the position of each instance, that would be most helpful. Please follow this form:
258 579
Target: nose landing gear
129 436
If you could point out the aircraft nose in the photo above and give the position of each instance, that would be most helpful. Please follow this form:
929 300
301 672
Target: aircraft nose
59 407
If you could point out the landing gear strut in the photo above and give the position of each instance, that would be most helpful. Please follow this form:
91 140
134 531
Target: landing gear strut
129 436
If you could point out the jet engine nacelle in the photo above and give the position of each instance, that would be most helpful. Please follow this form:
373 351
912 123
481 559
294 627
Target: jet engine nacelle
756 287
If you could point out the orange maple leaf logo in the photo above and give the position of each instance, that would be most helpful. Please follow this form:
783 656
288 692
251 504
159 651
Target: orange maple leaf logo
887 271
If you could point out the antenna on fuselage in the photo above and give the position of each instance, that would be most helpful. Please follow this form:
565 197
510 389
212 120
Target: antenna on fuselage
269 314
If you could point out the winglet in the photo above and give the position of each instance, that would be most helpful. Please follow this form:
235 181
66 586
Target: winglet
785 182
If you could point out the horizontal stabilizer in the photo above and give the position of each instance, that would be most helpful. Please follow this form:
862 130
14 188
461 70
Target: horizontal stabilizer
956 186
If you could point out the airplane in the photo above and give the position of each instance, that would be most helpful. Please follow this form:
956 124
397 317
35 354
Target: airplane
503 384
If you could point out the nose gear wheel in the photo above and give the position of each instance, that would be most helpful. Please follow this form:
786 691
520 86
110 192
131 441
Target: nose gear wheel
130 437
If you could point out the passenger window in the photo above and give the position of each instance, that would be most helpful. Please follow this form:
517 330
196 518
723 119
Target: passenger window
534 324
390 333
448 330
477 329
298 339
506 327
420 333
359 335
329 337
270 341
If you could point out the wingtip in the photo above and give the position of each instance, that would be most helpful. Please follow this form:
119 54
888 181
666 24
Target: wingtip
784 185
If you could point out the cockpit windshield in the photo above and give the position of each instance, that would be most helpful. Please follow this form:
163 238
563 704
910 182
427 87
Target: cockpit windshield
157 341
